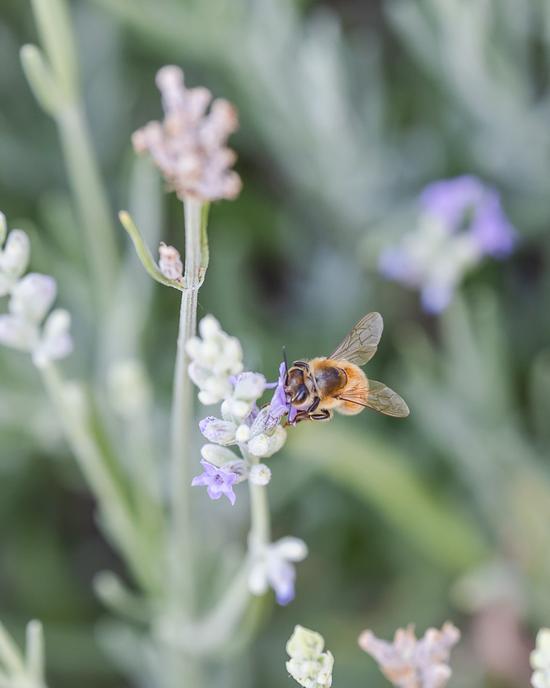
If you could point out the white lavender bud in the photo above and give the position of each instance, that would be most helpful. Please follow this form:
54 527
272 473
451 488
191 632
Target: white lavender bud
56 341
259 474
259 445
242 434
170 262
33 296
218 431
217 455
17 333
209 327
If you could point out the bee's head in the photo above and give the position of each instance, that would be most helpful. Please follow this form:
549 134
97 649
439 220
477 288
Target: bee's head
299 388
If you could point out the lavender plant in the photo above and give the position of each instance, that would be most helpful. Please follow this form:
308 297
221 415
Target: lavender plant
189 148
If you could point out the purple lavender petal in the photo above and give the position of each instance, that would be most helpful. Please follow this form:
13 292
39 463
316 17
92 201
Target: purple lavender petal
435 298
218 481
395 264
491 229
281 578
449 199
292 413
279 404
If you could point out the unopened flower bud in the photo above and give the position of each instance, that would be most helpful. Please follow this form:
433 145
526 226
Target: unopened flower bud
170 262
56 341
15 256
217 455
249 386
260 474
259 445
242 434
17 333
218 431
193 347
209 327
33 296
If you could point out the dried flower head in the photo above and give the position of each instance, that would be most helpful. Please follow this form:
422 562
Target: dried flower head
409 662
189 145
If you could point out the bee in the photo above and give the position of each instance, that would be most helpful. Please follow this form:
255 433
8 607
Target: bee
318 387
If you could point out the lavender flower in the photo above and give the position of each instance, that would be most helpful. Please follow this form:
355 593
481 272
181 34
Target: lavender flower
215 360
409 662
273 567
25 327
461 221
453 200
218 481
279 404
14 257
189 145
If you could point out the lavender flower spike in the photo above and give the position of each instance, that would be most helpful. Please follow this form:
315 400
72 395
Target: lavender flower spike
409 662
218 481
188 146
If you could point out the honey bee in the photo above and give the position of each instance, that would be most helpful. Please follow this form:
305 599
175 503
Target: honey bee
320 386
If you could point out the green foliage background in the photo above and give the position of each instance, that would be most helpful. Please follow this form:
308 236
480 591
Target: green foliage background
347 110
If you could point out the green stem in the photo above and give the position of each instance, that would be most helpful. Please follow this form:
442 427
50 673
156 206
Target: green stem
215 630
112 500
89 196
183 416
260 521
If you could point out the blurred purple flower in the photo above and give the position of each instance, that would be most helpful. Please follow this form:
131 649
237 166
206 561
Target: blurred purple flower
218 481
435 297
466 203
433 258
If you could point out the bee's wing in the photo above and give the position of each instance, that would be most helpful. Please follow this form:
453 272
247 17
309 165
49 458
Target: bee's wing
378 397
361 343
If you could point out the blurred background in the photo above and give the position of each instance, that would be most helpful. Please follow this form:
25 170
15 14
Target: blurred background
348 109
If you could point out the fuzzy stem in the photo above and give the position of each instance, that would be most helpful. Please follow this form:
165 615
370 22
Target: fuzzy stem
215 630
89 196
260 521
112 500
182 416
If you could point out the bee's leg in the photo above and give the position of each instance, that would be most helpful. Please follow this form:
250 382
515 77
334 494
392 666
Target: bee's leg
324 414
315 403
300 416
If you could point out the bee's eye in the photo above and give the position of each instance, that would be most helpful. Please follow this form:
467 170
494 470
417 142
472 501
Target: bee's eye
301 394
